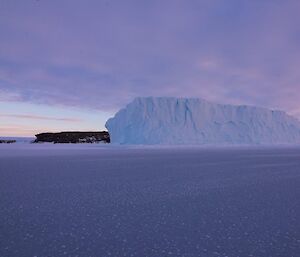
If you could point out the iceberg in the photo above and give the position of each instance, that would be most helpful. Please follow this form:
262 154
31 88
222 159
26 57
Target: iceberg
168 120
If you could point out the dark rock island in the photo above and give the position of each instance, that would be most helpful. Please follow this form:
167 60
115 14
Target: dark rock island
73 137
7 141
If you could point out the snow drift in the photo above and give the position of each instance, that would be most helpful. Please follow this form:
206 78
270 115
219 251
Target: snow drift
166 120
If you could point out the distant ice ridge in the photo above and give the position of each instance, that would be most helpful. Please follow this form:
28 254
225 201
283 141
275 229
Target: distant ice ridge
167 120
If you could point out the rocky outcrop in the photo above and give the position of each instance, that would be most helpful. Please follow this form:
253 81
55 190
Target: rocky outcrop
73 137
7 141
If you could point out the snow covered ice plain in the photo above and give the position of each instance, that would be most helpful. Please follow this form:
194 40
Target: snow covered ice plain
93 200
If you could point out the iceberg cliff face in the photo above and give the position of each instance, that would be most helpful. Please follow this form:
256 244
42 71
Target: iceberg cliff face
165 120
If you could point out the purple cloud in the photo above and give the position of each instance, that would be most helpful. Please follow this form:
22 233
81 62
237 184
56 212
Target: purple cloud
101 54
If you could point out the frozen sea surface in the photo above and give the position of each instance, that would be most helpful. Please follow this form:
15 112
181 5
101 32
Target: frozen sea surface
107 201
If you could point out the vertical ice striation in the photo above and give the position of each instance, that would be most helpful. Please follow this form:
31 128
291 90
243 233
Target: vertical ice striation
166 120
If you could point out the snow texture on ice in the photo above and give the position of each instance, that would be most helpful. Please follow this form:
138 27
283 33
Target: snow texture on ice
165 120
107 201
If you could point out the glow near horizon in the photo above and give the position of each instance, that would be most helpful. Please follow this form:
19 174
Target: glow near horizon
26 119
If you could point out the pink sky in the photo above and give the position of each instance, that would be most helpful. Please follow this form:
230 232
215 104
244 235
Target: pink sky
67 60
